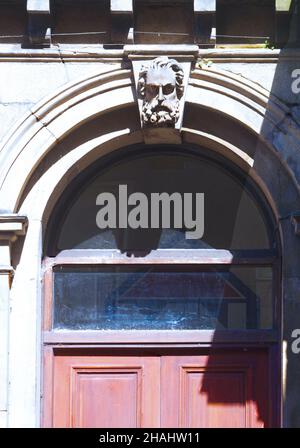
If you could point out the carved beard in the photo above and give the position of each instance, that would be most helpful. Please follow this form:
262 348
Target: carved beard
160 114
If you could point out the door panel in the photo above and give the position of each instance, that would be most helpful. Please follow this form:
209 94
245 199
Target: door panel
217 390
228 388
107 392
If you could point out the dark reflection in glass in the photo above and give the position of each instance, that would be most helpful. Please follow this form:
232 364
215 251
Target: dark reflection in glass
233 219
142 297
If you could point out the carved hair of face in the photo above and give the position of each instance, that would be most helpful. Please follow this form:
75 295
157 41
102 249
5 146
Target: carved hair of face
161 103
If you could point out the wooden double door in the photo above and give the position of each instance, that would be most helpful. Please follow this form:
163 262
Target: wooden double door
198 389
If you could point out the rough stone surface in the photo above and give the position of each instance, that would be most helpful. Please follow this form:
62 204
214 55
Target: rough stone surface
24 85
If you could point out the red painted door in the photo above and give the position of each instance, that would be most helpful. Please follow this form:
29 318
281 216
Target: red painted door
216 390
106 392
220 389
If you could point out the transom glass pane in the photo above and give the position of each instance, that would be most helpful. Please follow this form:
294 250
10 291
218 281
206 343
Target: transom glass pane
232 217
162 297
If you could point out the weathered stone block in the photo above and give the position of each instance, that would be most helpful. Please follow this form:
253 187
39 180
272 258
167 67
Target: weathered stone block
121 21
39 32
164 23
205 22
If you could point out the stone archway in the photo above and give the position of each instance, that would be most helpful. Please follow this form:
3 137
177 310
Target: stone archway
26 179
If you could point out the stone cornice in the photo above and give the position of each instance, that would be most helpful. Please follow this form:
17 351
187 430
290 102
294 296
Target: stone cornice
179 52
250 55
14 53
6 270
12 226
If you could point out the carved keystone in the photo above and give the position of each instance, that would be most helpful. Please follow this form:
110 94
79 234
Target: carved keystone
161 88
161 84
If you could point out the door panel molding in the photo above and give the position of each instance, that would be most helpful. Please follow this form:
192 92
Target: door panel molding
216 390
104 391
201 388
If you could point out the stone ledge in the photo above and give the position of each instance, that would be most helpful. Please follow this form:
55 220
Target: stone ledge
6 270
38 6
204 6
15 53
121 6
12 226
155 50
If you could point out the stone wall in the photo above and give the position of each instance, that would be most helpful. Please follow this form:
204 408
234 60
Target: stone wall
64 106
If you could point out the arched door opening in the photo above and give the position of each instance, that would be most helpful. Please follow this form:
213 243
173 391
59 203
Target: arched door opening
139 318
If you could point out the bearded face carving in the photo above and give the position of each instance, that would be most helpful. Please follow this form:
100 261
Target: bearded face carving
161 88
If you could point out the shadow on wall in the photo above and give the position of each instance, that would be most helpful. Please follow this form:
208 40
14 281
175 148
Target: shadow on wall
285 136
